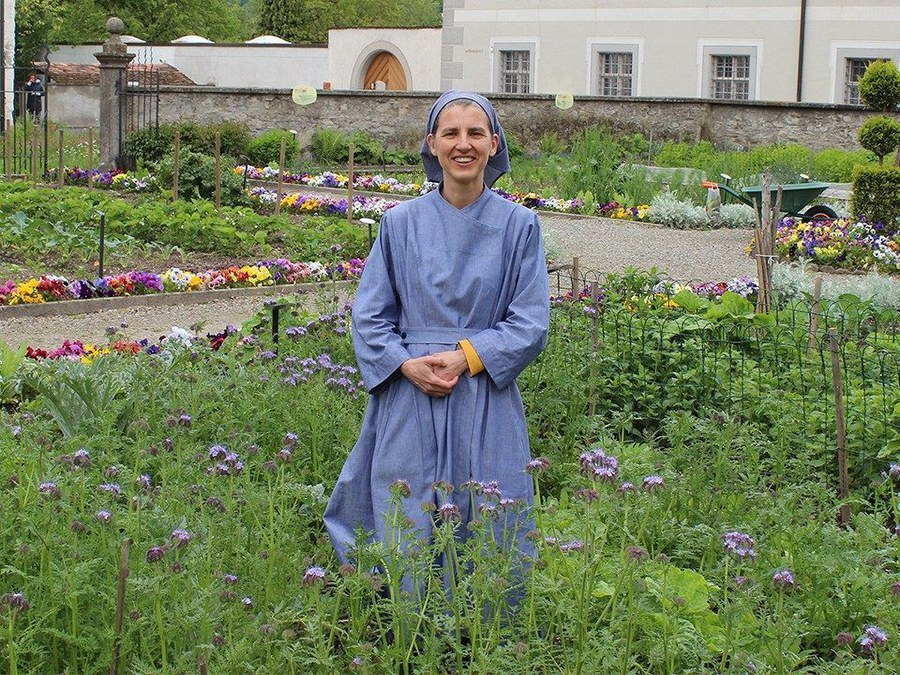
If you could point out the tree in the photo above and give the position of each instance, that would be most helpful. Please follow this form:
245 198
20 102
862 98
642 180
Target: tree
34 19
880 134
879 87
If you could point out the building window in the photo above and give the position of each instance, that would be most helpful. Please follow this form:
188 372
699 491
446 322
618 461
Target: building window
730 77
616 73
515 71
852 72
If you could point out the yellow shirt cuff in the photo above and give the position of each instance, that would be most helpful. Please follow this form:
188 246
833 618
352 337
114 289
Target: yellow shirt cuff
474 361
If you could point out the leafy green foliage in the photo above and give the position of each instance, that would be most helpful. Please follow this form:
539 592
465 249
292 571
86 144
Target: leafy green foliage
880 135
876 196
197 177
11 361
266 148
149 145
879 86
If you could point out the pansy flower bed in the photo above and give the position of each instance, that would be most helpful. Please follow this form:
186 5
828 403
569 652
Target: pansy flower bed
840 243
114 179
264 273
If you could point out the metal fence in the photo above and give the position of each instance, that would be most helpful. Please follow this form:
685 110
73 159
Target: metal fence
138 91
645 363
25 130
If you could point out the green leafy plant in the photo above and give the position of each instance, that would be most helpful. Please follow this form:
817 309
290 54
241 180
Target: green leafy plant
876 196
196 177
879 135
879 86
11 361
667 209
266 148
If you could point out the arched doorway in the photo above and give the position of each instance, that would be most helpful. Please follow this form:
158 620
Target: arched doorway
384 67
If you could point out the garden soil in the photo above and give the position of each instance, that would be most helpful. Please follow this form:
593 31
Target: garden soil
602 246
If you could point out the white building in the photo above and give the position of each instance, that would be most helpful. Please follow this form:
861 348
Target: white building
775 50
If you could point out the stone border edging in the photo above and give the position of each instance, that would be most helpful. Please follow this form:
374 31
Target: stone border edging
90 305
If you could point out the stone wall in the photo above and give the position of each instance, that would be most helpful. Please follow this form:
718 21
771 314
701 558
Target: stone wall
398 117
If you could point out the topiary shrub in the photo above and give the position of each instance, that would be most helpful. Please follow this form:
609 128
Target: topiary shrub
876 196
234 138
266 148
879 87
879 134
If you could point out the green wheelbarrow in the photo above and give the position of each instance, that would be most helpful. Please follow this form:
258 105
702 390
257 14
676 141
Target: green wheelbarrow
794 198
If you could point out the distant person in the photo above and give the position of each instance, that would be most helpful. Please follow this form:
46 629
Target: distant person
34 96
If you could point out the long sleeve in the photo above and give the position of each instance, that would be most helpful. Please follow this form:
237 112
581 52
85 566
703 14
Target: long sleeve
376 315
512 343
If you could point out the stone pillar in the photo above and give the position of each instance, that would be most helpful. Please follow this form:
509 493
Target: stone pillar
114 59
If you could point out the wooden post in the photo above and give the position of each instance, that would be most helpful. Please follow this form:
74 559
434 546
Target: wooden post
595 344
218 170
814 316
120 604
576 278
281 153
90 162
351 151
177 161
35 160
840 425
61 167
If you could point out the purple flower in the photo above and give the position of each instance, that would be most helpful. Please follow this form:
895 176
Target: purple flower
103 516
449 512
16 431
81 457
217 451
490 489
537 465
215 503
844 639
181 538
230 579
110 488
314 575
783 579
740 544
184 420
652 482
600 466
574 545
588 495
285 455
894 470
268 355
401 488
156 553
50 490
872 638
247 602
143 482
626 487
290 439
16 601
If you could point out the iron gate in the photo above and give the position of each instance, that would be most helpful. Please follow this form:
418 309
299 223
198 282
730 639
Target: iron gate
138 92
24 128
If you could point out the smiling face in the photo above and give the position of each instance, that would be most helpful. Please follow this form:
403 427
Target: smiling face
463 142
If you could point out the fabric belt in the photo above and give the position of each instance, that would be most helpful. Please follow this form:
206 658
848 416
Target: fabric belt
441 336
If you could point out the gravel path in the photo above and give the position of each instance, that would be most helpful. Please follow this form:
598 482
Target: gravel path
603 245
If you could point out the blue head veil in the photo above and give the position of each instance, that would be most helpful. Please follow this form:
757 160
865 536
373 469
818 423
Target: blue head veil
496 166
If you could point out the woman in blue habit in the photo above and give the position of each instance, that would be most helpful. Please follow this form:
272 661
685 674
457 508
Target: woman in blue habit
453 304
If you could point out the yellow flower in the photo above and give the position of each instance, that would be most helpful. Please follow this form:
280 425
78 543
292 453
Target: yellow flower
194 282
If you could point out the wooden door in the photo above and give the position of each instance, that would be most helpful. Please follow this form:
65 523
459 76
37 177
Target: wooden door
385 68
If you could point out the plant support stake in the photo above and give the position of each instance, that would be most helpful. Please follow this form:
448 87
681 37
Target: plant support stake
102 244
840 426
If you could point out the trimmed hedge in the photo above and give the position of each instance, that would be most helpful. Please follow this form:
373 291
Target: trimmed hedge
876 196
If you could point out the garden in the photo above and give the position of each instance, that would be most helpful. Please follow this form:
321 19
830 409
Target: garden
717 487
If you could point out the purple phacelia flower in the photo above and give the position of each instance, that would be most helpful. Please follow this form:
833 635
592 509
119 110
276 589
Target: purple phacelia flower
314 575
184 420
50 490
81 458
16 601
156 553
872 638
574 545
143 482
740 544
626 487
247 602
537 465
844 639
103 516
401 488
217 451
290 439
450 512
230 579
894 470
110 488
285 455
268 355
651 483
181 538
783 579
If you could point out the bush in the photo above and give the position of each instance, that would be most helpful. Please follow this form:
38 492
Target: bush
876 196
197 177
234 138
266 148
879 87
149 145
737 216
552 144
666 209
837 166
330 145
879 134
594 166
512 144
